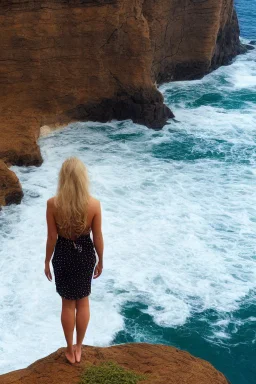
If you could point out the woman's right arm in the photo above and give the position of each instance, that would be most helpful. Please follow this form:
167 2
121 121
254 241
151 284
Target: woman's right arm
97 234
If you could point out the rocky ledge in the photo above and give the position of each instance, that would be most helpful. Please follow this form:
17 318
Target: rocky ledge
70 60
10 188
161 364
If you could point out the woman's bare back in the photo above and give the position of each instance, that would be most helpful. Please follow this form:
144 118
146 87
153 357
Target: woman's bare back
93 209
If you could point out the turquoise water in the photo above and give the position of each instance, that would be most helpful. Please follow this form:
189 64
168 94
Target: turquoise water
246 10
232 350
179 222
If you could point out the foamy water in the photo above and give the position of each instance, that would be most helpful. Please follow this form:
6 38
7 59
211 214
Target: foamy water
179 218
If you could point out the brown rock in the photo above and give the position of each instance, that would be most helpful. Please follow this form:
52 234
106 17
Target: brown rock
161 364
18 142
228 44
69 60
189 38
10 188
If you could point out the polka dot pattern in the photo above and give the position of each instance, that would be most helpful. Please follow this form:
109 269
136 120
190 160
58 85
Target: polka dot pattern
73 265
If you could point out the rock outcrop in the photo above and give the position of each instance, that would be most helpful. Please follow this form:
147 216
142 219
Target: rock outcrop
161 364
69 60
190 38
10 188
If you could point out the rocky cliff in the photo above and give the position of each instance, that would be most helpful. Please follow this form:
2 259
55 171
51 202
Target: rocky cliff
69 60
189 38
161 365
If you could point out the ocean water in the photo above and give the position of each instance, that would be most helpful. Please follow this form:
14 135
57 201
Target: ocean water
179 223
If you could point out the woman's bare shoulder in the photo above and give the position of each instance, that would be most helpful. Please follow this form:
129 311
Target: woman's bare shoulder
94 203
51 201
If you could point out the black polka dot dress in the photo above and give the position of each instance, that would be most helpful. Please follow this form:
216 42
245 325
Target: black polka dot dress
73 265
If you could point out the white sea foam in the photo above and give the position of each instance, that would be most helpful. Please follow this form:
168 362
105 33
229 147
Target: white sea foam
178 222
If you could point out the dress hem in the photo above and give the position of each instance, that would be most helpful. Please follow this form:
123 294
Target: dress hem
77 298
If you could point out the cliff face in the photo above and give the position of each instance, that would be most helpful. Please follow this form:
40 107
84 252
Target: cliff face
161 364
189 38
67 60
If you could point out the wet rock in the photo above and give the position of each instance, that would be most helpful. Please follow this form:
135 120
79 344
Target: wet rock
10 188
249 47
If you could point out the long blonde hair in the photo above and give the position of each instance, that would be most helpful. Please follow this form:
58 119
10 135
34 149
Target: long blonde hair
72 197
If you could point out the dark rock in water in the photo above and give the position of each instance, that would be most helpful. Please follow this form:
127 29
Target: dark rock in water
190 70
147 109
243 49
252 42
10 188
250 47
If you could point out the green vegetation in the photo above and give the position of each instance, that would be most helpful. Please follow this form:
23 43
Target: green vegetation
109 373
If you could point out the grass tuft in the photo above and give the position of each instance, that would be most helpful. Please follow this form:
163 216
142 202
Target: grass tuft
109 373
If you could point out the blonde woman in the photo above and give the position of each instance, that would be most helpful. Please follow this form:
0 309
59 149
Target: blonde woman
71 216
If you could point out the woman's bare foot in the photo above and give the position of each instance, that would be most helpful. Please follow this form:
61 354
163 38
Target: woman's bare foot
70 356
78 352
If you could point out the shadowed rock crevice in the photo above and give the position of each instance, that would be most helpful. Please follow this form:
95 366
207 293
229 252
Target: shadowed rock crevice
123 107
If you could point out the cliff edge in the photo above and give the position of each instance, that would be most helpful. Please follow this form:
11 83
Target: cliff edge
73 60
161 364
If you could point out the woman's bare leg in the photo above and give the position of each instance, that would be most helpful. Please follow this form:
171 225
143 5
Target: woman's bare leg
82 320
68 324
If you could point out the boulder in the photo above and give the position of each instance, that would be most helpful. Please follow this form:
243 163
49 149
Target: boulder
10 188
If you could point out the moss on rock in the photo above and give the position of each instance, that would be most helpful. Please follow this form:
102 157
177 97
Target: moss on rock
109 373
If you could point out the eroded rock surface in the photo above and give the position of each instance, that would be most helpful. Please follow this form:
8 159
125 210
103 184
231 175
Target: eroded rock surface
10 188
161 364
189 38
69 60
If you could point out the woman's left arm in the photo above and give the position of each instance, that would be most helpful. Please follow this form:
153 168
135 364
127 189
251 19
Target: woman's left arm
51 238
